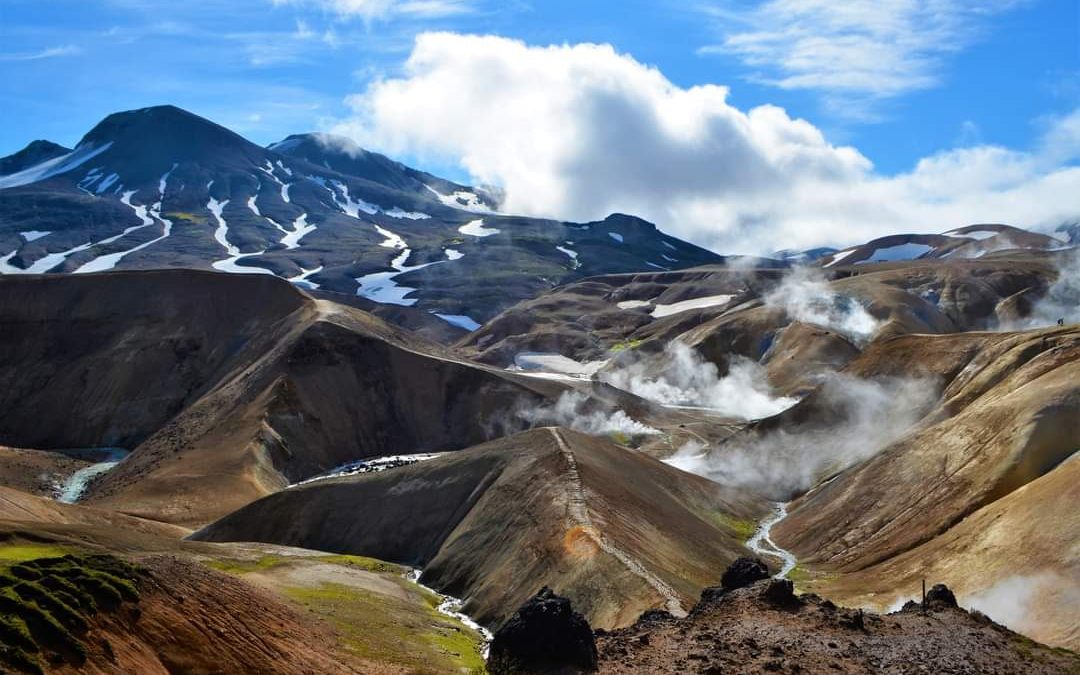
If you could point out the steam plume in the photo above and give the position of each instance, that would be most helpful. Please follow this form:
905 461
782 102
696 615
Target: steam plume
687 379
869 415
806 296
572 410
1062 299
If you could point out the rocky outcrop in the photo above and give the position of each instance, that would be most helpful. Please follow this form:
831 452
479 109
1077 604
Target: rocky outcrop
743 572
745 631
940 597
545 635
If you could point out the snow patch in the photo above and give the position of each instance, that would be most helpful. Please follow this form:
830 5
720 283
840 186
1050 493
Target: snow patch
302 278
397 212
459 320
53 167
556 363
301 228
616 236
837 257
633 304
351 207
453 254
697 303
475 228
230 265
392 240
380 286
462 199
975 234
571 253
898 252
107 182
34 235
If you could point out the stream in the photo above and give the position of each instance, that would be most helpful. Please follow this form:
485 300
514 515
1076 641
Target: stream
371 465
762 543
72 489
451 607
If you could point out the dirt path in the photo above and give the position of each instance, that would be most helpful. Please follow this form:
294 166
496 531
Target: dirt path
579 517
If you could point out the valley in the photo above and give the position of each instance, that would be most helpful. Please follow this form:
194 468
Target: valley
318 411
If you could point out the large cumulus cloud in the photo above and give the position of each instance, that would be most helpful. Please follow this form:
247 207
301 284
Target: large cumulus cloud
580 131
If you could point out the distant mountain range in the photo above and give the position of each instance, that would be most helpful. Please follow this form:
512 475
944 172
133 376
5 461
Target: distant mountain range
162 187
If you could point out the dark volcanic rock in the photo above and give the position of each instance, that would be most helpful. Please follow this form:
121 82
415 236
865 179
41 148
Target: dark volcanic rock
940 597
743 572
544 635
781 592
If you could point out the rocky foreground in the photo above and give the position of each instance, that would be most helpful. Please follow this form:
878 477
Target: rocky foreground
753 625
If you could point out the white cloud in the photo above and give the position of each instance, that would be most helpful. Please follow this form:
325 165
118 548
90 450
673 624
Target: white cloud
48 53
856 50
382 9
580 131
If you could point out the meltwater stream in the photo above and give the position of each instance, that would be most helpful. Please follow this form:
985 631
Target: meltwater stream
73 488
451 606
762 543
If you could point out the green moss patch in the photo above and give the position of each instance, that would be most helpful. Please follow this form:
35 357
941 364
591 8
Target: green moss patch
624 345
409 632
367 564
15 553
238 567
46 604
186 216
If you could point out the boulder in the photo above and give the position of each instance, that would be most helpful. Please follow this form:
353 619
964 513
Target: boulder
781 593
940 597
544 635
743 572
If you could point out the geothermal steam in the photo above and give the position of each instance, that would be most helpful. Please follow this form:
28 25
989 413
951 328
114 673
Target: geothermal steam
686 379
1062 299
866 416
575 411
805 296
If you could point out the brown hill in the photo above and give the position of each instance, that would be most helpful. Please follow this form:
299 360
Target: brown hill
967 495
273 610
615 530
228 386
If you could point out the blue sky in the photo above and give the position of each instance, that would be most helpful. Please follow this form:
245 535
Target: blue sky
67 63
900 80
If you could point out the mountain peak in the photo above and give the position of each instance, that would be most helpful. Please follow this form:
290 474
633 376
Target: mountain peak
34 153
177 129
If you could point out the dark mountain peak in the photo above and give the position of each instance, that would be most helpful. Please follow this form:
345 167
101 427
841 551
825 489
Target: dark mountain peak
166 129
627 224
143 144
34 153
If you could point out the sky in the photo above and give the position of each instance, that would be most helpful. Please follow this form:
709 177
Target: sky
740 125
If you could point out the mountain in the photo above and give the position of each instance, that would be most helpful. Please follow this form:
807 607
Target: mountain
33 154
617 531
160 187
991 461
970 241
229 386
342 154
1070 232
